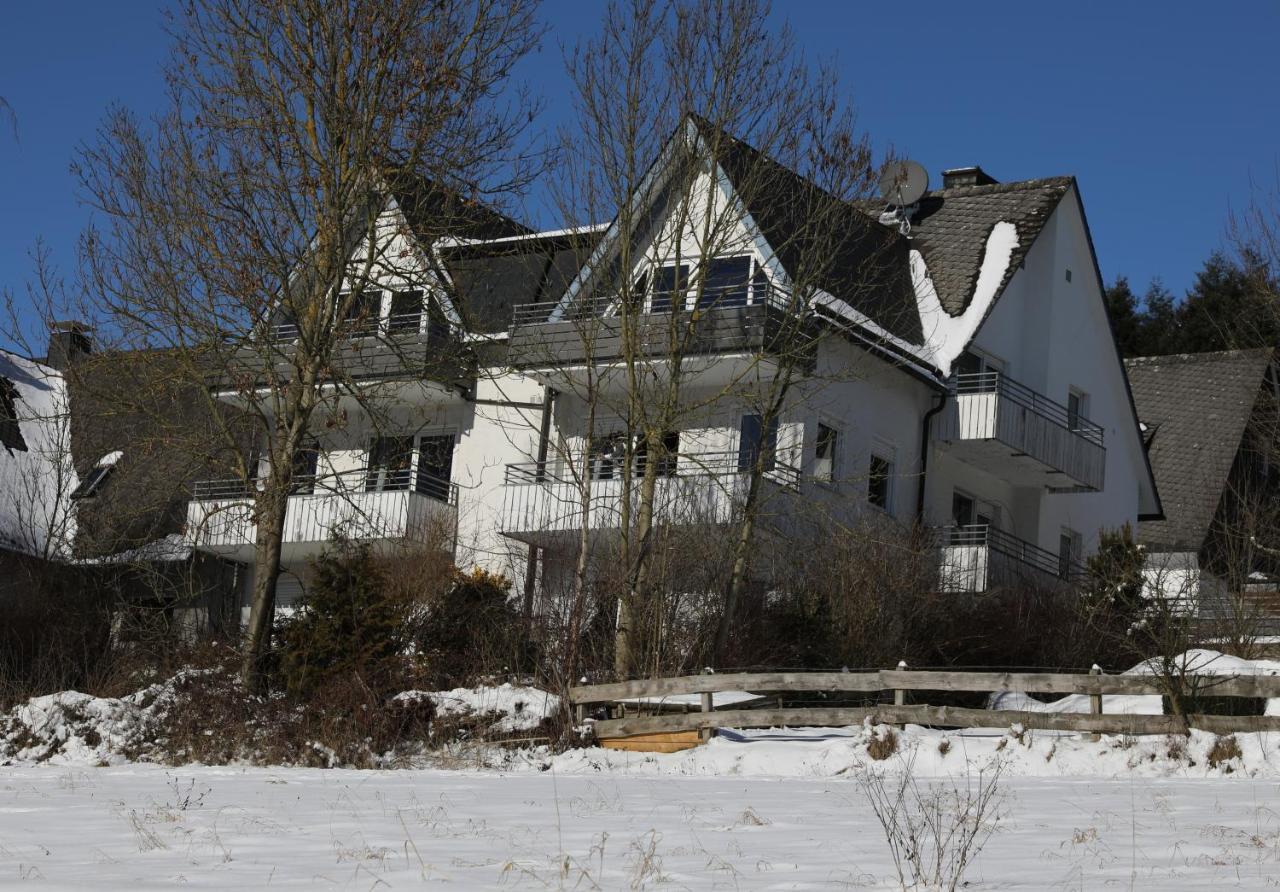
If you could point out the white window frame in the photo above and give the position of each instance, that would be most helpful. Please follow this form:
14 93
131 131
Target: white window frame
836 459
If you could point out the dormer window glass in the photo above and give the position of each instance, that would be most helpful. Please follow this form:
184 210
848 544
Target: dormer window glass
363 312
670 283
727 283
406 312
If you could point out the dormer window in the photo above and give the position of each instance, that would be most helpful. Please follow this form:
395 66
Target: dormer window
364 311
10 428
406 312
727 283
98 475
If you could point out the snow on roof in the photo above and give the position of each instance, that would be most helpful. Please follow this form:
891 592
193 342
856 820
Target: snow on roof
36 515
946 336
110 459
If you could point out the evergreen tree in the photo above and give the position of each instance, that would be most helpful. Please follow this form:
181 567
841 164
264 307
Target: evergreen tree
1122 310
1225 309
1158 332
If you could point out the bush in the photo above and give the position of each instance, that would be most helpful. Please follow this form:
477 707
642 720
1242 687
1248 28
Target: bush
351 624
472 630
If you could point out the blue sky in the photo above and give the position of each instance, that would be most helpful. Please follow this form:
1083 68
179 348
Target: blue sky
1165 112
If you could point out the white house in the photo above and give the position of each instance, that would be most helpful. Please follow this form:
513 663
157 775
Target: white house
977 388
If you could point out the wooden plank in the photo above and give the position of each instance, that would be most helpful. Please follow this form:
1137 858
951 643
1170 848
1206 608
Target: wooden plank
1265 686
654 743
1261 686
737 681
944 716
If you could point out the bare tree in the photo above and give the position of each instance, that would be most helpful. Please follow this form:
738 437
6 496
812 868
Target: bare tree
690 117
240 230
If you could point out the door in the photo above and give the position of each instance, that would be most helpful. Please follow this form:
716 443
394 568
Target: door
435 466
390 459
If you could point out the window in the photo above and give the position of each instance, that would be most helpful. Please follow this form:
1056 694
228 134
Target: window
363 312
305 462
406 312
756 442
92 482
880 482
284 327
727 282
1077 408
607 455
670 283
10 427
1069 550
669 459
824 454
390 459
971 362
435 466
966 511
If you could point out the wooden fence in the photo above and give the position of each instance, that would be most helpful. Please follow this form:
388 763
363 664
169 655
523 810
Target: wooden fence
648 693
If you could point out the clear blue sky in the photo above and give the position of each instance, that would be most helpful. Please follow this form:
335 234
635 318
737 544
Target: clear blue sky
1165 111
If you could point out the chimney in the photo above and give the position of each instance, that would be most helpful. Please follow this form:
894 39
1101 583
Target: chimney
967 176
68 343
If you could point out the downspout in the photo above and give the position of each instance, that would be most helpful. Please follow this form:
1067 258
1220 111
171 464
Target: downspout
544 437
924 452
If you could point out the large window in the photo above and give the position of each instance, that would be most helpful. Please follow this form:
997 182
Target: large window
607 455
435 466
406 312
757 442
825 452
880 482
727 283
670 284
666 464
305 463
1070 547
363 312
390 461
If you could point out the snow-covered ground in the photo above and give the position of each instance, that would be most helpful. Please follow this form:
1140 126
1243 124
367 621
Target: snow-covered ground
142 827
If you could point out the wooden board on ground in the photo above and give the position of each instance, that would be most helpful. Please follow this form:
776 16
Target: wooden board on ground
668 742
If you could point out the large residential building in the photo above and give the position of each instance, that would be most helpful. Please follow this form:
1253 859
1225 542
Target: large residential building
972 384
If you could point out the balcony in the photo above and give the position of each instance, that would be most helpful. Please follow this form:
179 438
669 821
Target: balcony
403 347
979 558
758 321
543 503
1000 426
220 514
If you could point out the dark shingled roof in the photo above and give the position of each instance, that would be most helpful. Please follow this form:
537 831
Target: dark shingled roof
863 262
952 225
434 211
1196 407
490 278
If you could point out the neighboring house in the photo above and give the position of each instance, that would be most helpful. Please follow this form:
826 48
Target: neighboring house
971 384
1210 425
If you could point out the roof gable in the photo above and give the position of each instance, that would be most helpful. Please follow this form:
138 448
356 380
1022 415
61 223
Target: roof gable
1196 408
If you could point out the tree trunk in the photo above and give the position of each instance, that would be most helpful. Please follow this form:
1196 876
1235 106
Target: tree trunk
269 529
741 563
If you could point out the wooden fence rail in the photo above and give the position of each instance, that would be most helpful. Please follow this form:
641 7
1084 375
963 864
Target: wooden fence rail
901 680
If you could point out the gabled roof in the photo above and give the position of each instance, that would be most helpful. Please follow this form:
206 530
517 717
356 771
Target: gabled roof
489 278
433 211
950 230
863 262
1195 407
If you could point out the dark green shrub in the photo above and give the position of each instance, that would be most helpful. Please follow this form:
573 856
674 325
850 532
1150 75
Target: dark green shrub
351 624
473 629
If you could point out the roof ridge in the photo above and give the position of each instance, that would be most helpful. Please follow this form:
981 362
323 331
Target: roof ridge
996 188
1200 356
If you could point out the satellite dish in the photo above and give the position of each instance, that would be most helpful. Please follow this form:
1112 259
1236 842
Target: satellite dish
903 182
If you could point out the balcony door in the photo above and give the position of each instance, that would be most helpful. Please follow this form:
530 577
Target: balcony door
972 518
390 463
435 466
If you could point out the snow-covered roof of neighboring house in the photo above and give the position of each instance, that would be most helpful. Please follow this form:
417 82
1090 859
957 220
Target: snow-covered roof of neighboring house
37 477
1196 408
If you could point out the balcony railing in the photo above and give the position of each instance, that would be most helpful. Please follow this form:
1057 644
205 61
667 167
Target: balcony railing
979 557
694 488
372 327
401 506
758 319
992 419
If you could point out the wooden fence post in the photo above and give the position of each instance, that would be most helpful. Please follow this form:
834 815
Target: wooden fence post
900 695
707 705
1095 701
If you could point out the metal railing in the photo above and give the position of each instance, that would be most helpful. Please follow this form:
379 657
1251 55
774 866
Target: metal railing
572 470
1021 395
371 327
338 485
961 543
694 489
610 305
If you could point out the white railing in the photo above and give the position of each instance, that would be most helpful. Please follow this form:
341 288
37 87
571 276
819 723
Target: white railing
979 557
706 488
227 521
990 406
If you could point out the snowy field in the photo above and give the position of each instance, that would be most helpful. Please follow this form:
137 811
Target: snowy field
581 825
